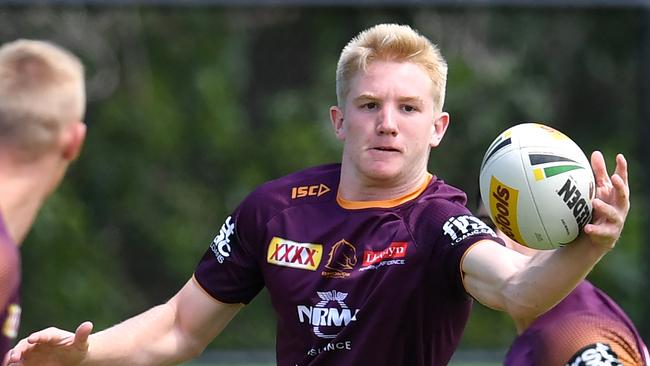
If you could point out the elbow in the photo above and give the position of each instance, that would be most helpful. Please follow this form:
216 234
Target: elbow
193 351
189 347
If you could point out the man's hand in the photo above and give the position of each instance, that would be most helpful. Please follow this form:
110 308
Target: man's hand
52 347
611 204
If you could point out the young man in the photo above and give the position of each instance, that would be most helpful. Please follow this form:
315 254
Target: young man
42 102
373 261
586 328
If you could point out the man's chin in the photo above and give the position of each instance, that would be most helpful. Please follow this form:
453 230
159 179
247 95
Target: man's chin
383 174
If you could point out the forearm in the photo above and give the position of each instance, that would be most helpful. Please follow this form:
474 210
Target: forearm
164 335
548 277
151 338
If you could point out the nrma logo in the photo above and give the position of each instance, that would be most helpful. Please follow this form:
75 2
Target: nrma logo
329 315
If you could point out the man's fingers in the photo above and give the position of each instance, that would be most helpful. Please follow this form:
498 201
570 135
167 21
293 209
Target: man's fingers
81 335
50 336
621 167
599 168
605 212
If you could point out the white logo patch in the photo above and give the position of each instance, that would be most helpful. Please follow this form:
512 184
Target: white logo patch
459 228
328 321
597 354
221 244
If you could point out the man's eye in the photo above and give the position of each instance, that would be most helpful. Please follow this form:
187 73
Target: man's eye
409 108
371 105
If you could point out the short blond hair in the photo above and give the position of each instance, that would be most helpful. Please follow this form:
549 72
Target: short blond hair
41 90
391 42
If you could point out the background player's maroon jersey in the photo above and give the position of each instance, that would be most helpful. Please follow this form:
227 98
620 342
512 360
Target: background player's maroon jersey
352 283
9 285
586 329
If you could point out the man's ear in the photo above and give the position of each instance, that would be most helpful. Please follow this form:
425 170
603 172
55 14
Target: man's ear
439 128
336 116
72 140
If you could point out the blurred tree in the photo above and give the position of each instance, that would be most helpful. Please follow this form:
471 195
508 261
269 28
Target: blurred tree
192 108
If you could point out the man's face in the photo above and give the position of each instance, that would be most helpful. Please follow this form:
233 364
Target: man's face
388 122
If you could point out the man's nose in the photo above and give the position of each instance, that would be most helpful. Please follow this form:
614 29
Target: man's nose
387 123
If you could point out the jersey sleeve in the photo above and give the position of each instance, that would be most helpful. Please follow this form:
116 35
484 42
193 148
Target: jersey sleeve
455 230
229 270
587 339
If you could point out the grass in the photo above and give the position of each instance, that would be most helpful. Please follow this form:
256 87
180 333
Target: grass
266 358
273 364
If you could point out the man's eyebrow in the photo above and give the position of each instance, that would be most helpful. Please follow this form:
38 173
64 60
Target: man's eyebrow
365 97
413 100
371 97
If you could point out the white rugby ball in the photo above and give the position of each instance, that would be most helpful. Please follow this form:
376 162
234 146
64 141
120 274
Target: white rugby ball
537 185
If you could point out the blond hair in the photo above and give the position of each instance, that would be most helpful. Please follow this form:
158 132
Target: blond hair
391 42
41 90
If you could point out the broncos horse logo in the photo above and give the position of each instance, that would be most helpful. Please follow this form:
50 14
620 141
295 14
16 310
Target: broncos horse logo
341 261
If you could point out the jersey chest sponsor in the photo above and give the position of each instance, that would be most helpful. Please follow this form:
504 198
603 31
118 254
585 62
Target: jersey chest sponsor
341 259
329 315
287 253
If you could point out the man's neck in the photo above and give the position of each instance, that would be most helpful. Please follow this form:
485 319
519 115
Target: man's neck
23 190
352 188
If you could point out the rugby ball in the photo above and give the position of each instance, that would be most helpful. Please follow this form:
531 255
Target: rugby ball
537 185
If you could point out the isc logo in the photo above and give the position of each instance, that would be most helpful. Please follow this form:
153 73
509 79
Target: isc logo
288 253
304 191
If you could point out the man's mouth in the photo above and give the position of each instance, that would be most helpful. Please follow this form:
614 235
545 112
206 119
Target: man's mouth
385 148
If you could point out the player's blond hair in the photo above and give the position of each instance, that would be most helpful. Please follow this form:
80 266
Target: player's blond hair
41 90
391 42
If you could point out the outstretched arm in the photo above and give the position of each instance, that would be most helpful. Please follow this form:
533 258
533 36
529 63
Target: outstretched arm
167 334
526 287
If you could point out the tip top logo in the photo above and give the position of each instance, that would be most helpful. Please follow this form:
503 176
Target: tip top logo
221 244
309 191
341 261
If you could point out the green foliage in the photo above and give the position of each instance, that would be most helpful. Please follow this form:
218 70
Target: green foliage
208 103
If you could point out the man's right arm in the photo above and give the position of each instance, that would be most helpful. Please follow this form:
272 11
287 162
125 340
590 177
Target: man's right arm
167 334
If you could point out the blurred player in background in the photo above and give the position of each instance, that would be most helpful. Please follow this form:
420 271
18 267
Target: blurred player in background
42 102
586 328
373 261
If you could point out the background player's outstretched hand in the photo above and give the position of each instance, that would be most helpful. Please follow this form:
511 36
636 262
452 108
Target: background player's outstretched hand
612 201
52 347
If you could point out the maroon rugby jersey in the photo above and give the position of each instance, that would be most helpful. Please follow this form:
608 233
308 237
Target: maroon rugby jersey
9 290
352 283
586 329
